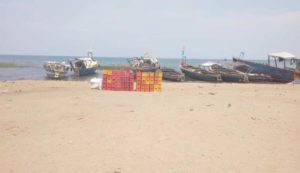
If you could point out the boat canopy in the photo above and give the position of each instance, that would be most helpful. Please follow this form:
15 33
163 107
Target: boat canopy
152 59
209 64
283 55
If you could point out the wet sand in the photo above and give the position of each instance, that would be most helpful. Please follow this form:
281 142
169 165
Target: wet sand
64 126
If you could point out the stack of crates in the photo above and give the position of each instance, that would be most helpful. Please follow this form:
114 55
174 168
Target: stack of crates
148 81
117 80
106 80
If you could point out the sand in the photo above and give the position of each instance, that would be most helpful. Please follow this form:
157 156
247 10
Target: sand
66 127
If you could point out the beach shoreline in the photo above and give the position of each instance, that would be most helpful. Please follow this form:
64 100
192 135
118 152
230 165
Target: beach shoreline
64 126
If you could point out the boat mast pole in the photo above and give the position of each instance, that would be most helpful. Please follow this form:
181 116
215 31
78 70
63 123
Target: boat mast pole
182 55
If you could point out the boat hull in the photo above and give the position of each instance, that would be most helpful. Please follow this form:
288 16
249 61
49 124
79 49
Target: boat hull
174 78
227 74
54 75
277 74
199 76
88 71
56 70
259 78
172 75
234 78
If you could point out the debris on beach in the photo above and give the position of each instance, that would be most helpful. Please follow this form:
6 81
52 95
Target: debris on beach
229 105
118 170
4 91
254 118
96 83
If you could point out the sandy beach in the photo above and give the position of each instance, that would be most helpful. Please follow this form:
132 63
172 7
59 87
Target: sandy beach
66 127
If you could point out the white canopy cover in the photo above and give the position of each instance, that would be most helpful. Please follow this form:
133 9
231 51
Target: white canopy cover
151 58
283 55
209 64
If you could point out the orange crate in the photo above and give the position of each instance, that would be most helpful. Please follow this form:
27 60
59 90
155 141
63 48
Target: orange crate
157 78
158 74
145 74
145 77
138 74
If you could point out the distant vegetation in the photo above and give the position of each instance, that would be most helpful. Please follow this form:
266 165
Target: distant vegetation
11 65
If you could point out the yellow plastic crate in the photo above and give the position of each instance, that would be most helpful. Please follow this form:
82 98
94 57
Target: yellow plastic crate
157 89
151 74
145 74
145 77
109 72
157 82
157 85
158 74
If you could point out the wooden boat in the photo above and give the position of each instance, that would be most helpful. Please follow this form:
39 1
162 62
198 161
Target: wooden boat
144 63
172 74
253 77
84 66
228 75
198 73
278 74
56 69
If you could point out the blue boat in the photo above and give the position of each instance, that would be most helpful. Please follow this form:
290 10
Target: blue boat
282 75
84 66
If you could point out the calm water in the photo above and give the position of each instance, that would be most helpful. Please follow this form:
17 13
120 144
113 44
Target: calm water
34 65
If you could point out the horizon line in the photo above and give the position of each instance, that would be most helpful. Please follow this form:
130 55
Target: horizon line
123 57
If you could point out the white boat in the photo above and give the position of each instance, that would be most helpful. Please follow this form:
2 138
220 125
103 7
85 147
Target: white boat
84 66
56 69
144 63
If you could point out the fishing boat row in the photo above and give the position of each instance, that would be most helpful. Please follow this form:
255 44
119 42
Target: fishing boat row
246 71
213 72
278 69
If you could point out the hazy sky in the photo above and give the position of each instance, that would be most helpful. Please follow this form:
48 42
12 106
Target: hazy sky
114 28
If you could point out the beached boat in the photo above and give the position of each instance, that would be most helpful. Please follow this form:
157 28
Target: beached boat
228 75
198 73
56 69
172 75
278 73
144 63
84 66
254 77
